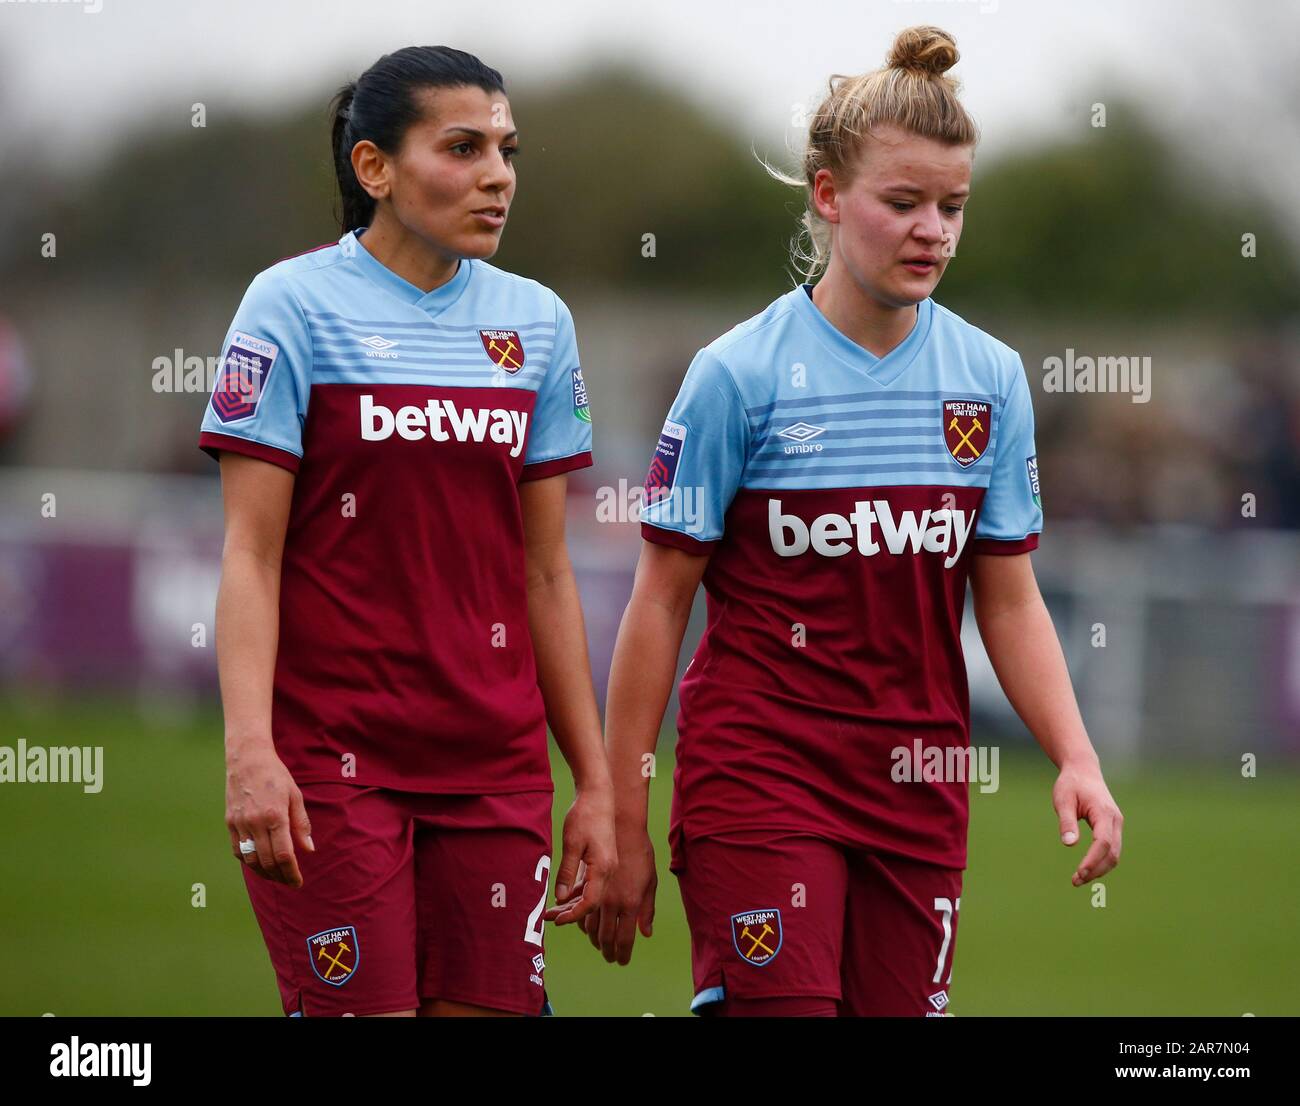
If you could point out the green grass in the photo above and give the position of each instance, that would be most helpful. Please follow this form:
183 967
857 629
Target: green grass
96 914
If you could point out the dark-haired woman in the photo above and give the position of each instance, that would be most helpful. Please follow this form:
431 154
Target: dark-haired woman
397 619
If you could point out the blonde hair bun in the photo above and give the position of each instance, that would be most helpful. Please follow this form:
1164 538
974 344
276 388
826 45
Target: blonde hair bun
928 50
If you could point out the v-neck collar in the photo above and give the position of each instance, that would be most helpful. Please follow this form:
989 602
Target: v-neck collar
879 370
432 303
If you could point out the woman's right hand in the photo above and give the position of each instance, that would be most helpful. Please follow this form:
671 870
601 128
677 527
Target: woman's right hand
641 679
262 801
264 804
629 900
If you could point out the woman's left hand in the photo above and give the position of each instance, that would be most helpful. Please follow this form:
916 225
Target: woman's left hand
588 857
1080 793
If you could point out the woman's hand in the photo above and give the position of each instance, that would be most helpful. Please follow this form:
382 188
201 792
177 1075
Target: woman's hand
1023 648
1081 793
587 858
263 803
640 684
629 901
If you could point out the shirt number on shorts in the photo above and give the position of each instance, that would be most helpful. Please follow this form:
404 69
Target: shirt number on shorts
533 932
945 906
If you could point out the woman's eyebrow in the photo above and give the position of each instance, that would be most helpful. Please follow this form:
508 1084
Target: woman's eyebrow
476 132
918 190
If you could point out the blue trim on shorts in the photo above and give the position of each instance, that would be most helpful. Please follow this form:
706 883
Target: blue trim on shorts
707 997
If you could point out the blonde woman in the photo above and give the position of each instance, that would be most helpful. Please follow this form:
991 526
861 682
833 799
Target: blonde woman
856 453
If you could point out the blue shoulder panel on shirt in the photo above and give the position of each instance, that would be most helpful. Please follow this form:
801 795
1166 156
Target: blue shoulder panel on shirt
782 401
336 315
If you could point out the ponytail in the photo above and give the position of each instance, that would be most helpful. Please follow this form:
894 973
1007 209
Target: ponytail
358 206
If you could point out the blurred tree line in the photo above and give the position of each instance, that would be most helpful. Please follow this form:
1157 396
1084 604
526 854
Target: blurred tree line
1111 224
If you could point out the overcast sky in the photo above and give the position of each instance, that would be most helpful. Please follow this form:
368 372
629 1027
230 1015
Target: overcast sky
1222 75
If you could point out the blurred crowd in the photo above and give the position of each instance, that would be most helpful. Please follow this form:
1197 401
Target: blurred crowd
1218 445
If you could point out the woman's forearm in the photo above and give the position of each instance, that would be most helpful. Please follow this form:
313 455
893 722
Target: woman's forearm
564 672
1023 648
247 634
640 683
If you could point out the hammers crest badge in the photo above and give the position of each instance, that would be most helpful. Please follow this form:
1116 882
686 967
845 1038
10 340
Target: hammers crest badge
757 935
334 954
966 429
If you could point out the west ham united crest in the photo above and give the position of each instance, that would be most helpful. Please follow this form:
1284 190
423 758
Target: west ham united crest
757 935
505 348
334 954
966 429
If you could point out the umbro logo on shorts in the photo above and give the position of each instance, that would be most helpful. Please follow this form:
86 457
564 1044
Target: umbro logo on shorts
939 1000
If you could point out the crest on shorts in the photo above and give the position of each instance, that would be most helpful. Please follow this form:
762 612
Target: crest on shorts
334 954
505 348
966 429
757 935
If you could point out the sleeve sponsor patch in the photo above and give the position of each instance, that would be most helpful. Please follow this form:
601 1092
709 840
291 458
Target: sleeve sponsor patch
245 371
663 466
1031 464
581 408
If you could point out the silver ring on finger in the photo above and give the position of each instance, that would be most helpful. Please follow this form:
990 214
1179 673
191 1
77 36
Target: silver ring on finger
247 846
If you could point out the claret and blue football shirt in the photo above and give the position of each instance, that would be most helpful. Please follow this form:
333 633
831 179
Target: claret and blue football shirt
841 497
410 419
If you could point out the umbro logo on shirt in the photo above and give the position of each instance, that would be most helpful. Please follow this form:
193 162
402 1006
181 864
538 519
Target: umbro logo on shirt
442 420
379 346
801 434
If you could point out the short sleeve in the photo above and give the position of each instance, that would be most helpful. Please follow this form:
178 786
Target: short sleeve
259 397
698 461
560 438
1011 516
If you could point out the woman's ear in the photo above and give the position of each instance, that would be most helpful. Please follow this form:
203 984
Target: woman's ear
371 168
825 196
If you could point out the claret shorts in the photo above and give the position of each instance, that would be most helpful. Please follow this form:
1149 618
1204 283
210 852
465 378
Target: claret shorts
829 930
410 897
